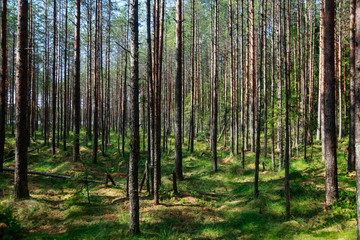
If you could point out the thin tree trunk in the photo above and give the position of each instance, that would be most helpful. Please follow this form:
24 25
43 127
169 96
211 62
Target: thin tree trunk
273 86
215 88
351 155
178 92
96 83
279 87
287 37
259 102
65 76
134 121
252 78
3 80
54 84
76 98
46 85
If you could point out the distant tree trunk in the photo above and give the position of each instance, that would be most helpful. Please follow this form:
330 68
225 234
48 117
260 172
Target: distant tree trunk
158 24
134 121
97 73
20 178
238 68
76 98
89 72
264 65
193 52
3 80
54 84
259 103
12 88
108 80
279 87
252 78
224 70
321 72
150 131
351 155
124 101
65 76
46 85
329 137
215 88
232 81
287 38
243 80
273 86
178 92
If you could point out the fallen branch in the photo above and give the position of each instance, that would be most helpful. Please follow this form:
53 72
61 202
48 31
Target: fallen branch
55 175
13 156
219 194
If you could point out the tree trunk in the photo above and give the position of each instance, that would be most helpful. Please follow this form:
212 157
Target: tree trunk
54 84
351 155
287 38
356 117
329 136
215 88
96 82
178 92
65 76
46 85
273 86
259 102
20 178
279 87
3 80
157 76
252 78
76 98
134 121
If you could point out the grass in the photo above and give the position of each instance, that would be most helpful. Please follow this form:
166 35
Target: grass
58 209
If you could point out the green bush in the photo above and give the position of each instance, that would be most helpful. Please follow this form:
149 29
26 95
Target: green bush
9 225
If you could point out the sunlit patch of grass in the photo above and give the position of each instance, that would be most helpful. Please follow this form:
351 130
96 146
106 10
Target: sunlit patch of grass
55 211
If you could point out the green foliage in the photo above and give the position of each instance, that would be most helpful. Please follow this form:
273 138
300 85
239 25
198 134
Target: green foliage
9 225
345 205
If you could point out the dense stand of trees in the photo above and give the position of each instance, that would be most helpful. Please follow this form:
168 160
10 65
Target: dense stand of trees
280 71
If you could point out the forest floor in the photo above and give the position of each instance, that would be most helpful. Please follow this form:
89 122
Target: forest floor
59 209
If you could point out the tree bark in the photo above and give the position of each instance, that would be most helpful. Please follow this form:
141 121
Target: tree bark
356 117
3 80
252 78
76 93
20 177
178 92
134 121
54 84
329 137
65 76
215 88
351 155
